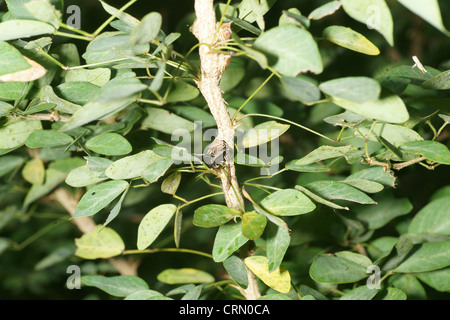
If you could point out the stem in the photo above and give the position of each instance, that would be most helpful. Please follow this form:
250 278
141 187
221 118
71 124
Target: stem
70 35
204 254
288 121
110 19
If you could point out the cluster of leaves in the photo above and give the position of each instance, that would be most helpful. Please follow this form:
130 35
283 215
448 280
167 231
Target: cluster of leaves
74 125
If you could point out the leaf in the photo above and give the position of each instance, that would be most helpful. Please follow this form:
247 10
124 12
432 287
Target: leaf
214 215
123 16
439 82
277 243
147 29
253 225
390 109
237 270
394 294
95 110
132 166
12 90
118 286
432 150
153 224
360 293
15 134
122 86
350 39
301 88
12 60
101 243
77 92
98 197
83 176
335 269
34 171
171 183
145 295
334 190
52 179
378 216
116 209
9 163
184 275
47 138
165 121
376 174
246 7
263 133
110 143
357 89
395 134
365 185
318 199
374 13
434 218
409 285
438 279
228 239
429 256
15 29
427 10
325 10
97 77
324 153
156 170
43 10
279 279
48 95
287 202
182 91
290 50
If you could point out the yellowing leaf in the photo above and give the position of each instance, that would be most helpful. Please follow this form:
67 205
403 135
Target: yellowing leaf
100 243
279 279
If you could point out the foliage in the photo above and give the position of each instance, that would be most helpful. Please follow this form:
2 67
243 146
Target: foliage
93 173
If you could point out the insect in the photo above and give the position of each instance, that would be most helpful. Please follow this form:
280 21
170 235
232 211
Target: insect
224 32
217 154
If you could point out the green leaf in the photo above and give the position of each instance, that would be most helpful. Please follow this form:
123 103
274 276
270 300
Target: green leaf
98 197
96 110
77 92
47 138
335 269
101 243
147 29
15 29
263 133
171 183
439 82
438 279
118 286
97 77
277 243
12 60
232 75
110 143
325 10
15 134
237 270
5 108
153 224
429 11
184 275
9 163
334 190
390 109
132 166
432 150
364 185
350 39
301 88
246 7
360 293
182 91
393 294
378 216
83 176
228 239
116 209
253 225
290 50
214 215
165 121
156 170
122 86
52 179
319 199
279 279
43 10
288 202
409 285
395 134
376 174
374 13
429 256
48 95
434 218
357 89
145 295
324 153
122 16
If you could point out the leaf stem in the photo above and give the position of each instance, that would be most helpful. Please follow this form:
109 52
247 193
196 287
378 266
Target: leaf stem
200 253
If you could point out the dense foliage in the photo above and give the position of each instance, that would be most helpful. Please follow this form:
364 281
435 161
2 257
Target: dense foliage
341 109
